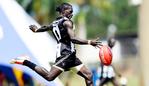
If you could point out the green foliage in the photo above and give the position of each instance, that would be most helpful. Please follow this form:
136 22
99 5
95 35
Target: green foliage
126 17
98 14
116 12
42 10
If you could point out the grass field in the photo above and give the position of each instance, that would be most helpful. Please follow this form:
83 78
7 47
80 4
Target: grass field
130 71
76 80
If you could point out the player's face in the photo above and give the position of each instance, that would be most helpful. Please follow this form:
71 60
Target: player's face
69 13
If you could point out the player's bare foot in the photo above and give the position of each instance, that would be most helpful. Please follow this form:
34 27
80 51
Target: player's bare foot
19 60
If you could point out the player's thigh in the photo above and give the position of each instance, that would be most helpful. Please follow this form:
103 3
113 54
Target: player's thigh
103 81
115 82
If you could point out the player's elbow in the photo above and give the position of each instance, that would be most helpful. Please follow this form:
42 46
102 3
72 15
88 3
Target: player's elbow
73 40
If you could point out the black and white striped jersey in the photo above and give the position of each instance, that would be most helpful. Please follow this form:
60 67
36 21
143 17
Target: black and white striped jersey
64 45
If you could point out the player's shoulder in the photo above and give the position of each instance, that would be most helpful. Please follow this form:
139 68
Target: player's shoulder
62 20
67 22
65 19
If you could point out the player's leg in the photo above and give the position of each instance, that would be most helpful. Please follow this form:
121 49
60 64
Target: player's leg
103 81
79 68
48 75
86 74
114 82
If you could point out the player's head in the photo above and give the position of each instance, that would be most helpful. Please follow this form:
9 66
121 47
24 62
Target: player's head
111 42
65 9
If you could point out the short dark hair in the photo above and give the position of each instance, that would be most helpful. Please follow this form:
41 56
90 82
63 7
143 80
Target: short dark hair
63 6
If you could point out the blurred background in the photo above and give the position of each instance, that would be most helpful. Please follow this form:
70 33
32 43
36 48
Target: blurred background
125 20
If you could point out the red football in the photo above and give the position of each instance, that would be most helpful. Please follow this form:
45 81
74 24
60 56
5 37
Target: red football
105 55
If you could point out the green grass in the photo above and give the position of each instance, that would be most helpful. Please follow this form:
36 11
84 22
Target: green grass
76 80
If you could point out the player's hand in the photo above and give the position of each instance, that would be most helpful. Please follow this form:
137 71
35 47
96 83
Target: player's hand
34 28
96 42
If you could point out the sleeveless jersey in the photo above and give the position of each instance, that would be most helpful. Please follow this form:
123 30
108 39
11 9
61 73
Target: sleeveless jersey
64 44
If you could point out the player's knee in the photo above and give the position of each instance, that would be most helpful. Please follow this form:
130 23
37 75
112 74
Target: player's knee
89 75
89 80
50 78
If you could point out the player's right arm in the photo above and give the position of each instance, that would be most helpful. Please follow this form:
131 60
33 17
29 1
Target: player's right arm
69 26
44 28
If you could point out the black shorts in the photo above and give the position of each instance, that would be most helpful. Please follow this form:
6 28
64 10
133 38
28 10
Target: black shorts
105 80
67 61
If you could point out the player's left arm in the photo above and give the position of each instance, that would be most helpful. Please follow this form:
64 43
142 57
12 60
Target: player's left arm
44 28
